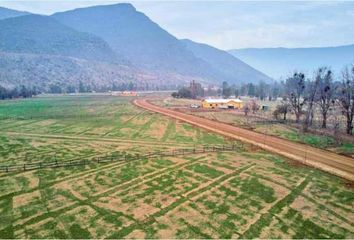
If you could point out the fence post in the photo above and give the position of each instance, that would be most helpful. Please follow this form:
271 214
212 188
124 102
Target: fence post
24 167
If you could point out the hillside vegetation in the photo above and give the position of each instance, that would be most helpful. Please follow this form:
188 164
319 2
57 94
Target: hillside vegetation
106 45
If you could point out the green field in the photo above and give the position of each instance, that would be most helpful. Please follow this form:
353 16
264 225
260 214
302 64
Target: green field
248 193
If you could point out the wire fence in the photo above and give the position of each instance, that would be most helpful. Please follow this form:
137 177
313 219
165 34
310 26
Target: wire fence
120 158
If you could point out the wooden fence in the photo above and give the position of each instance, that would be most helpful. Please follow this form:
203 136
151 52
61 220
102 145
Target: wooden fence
120 158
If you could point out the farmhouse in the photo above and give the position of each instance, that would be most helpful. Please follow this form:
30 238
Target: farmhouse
222 103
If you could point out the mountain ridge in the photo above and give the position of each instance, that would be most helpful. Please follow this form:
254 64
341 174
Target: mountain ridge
229 66
44 35
110 35
9 13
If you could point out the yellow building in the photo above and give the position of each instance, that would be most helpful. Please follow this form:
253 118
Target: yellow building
222 103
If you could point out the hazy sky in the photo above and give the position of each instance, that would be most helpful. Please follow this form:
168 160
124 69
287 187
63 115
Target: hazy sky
236 24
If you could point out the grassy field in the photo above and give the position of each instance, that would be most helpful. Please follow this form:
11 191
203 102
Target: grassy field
245 194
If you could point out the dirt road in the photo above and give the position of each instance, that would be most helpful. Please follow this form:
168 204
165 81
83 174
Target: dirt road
330 162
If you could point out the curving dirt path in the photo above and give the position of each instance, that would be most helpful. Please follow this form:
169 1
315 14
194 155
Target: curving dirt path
330 162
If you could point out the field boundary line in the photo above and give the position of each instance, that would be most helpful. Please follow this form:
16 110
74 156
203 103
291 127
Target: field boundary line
125 122
105 159
90 138
183 199
257 226
101 194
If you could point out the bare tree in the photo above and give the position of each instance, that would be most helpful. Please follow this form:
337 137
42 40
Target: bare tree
246 109
295 88
283 108
254 106
326 93
336 129
310 96
346 97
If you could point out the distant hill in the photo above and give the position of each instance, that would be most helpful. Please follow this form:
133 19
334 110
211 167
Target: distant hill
105 45
44 35
280 62
148 46
229 67
9 13
43 71
133 35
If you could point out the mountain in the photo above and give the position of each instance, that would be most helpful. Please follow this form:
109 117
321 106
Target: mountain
44 35
44 70
136 37
229 67
105 45
148 46
280 62
9 13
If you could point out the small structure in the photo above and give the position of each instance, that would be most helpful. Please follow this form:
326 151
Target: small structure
129 94
222 103
125 94
265 108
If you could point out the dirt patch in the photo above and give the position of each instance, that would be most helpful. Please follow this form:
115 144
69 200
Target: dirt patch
140 120
58 202
69 188
111 203
143 210
126 131
136 234
319 216
157 129
33 180
180 130
82 214
26 198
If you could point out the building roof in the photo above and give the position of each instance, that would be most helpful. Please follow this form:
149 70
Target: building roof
221 100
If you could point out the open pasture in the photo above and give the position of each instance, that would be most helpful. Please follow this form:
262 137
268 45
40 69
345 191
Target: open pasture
244 194
70 127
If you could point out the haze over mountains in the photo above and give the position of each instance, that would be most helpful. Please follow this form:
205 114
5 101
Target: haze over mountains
280 62
228 67
8 13
43 35
106 45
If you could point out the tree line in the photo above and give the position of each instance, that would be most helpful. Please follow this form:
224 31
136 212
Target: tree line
304 95
19 92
